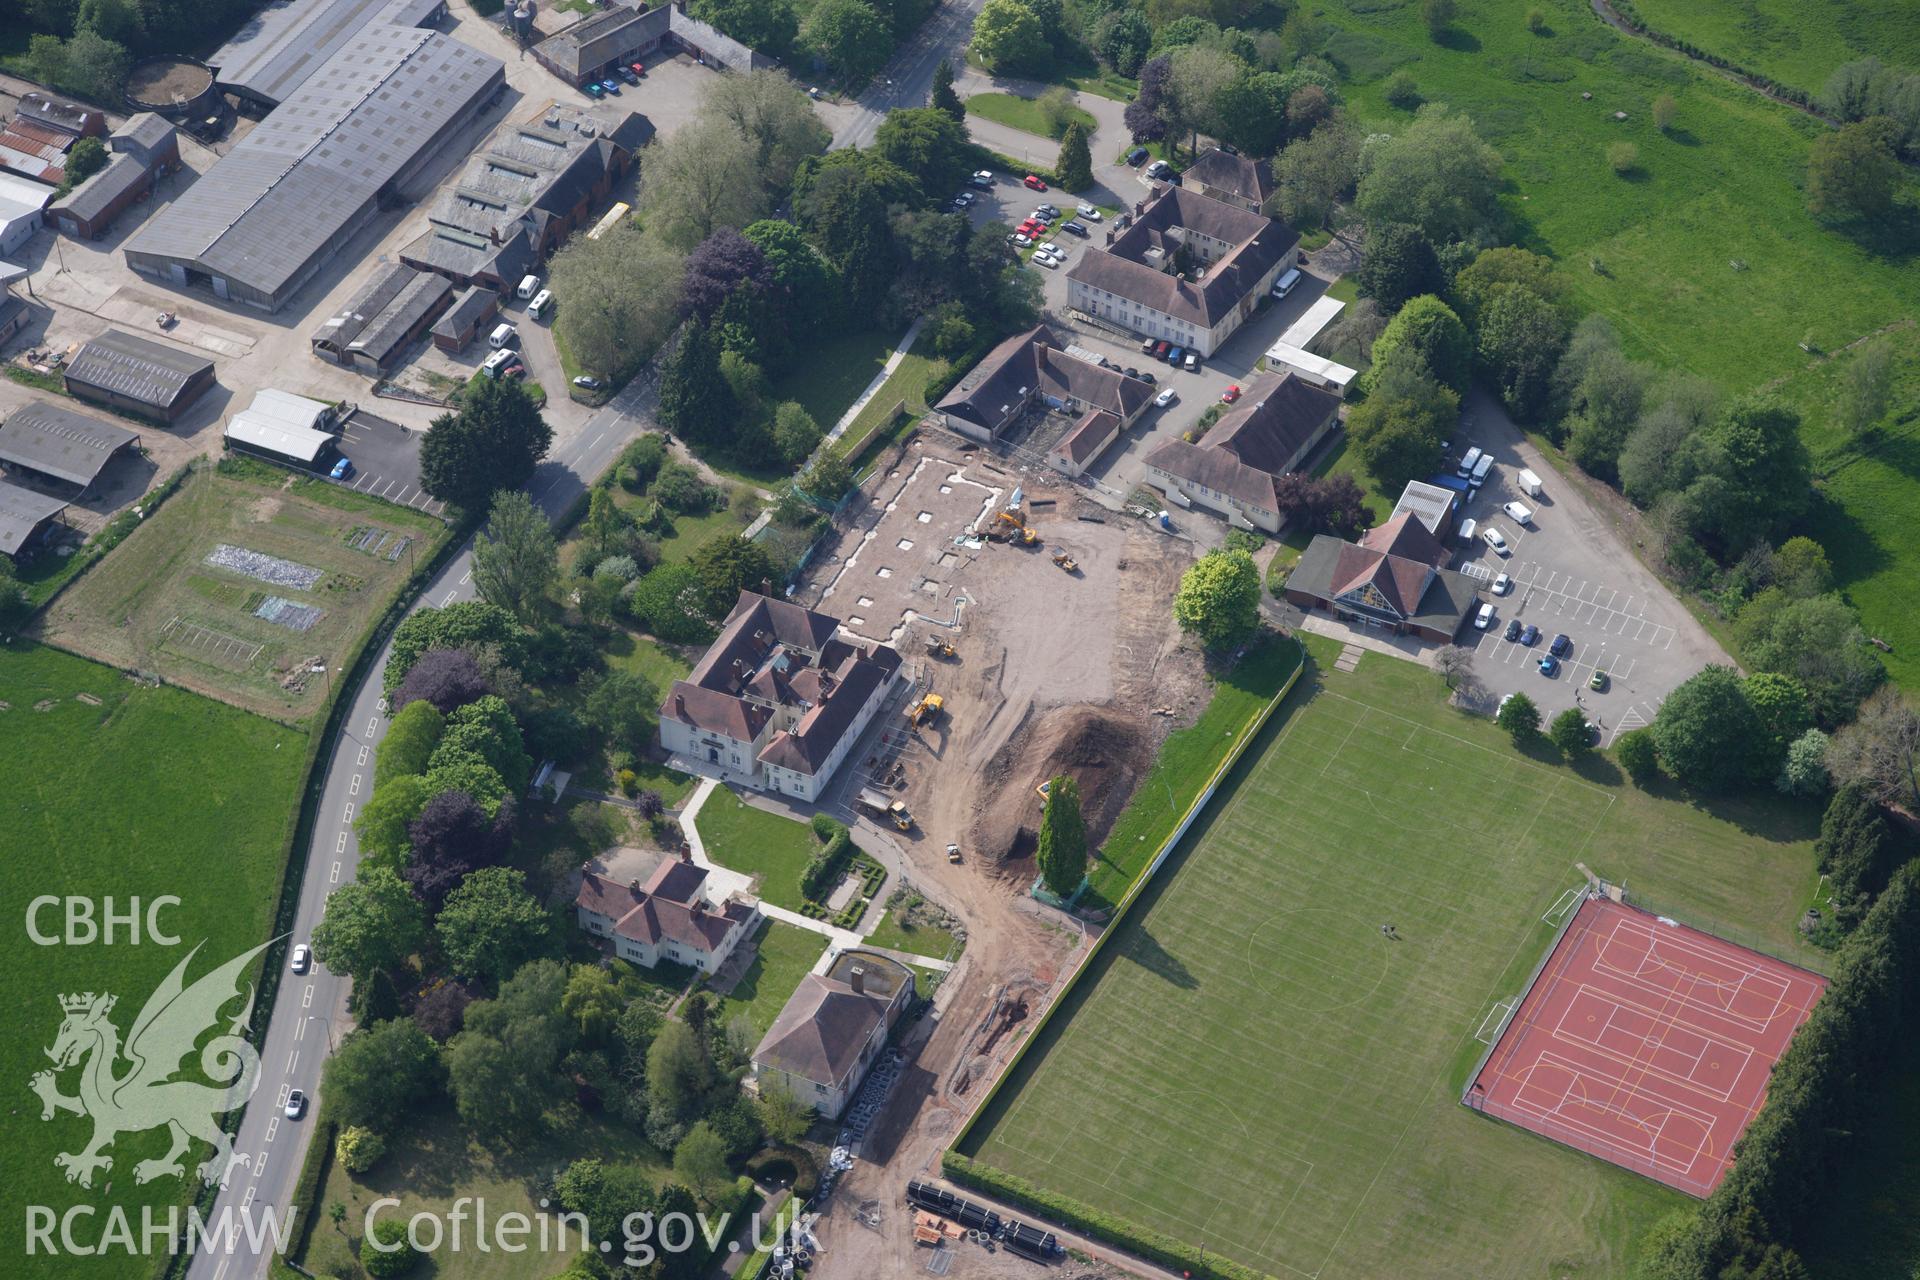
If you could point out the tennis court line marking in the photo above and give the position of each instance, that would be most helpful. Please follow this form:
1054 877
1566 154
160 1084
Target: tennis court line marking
1640 979
1559 1114
1630 1061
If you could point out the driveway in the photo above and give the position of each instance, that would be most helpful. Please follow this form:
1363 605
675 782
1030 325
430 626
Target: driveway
1570 576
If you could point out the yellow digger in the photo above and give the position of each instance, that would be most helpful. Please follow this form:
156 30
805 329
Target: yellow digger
925 709
939 647
1006 527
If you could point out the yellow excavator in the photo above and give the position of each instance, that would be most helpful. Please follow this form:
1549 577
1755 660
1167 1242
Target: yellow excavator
1006 527
925 709
939 647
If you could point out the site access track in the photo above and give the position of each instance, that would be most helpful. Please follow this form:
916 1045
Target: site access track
310 1016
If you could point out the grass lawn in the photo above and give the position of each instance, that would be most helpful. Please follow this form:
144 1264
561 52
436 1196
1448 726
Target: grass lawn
155 604
1288 1081
786 954
1017 112
1187 759
761 844
1797 42
832 373
1706 249
907 384
435 1162
916 939
147 792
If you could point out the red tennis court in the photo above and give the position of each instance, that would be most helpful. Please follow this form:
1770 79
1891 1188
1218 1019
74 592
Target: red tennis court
1645 1043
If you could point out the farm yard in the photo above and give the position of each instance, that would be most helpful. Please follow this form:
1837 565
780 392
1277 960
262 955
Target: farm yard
119 790
244 584
1258 958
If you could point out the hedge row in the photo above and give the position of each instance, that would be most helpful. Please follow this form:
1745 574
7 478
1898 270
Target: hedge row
1789 1154
825 866
1142 1241
1785 91
305 1205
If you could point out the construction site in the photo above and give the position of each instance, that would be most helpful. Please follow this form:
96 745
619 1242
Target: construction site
1040 626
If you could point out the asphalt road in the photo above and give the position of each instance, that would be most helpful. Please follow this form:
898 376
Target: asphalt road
310 1017
907 80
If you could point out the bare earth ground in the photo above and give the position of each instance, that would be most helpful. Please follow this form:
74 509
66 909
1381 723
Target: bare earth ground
1082 673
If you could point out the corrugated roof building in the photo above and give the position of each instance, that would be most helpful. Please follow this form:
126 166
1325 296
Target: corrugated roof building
59 444
24 516
272 55
138 376
260 223
377 324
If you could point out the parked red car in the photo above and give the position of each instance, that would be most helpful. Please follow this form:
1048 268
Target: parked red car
1034 183
1231 394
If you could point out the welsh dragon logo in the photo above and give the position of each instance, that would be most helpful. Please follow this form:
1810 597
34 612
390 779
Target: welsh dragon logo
145 1095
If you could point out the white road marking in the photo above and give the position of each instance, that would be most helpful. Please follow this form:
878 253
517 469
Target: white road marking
300 1029
340 845
247 1199
361 759
306 997
347 817
292 1058
273 1127
353 785
448 600
220 1270
335 877
373 725
466 577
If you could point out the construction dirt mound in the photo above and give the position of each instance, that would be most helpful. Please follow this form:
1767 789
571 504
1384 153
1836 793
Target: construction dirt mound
1105 751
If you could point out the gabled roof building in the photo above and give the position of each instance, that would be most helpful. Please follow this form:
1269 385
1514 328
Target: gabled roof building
1030 369
780 698
625 33
1390 579
833 1029
375 326
668 918
1188 269
1232 471
138 376
1231 177
57 444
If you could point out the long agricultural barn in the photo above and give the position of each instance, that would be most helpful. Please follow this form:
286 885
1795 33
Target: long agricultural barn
138 376
24 516
58 444
290 195
376 325
272 55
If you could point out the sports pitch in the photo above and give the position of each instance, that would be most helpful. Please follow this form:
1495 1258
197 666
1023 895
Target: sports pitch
1254 1068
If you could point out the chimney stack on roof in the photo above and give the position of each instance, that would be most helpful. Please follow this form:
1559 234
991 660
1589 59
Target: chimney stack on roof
857 979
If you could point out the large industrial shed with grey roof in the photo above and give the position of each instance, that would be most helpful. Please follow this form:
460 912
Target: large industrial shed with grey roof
272 55
290 195
58 444
138 376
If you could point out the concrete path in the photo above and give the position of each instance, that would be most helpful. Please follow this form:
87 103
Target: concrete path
879 380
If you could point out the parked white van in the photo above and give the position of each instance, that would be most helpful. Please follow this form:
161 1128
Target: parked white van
541 301
502 335
1480 470
1468 463
1468 528
1284 285
497 361
529 285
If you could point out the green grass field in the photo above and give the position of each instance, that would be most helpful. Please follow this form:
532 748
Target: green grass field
1017 112
1797 42
761 844
1250 1067
155 604
1722 188
915 939
148 792
786 953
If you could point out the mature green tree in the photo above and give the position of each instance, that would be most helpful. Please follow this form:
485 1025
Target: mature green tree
1853 173
785 1118
774 116
795 433
851 38
610 326
1123 38
943 98
1428 326
95 65
485 730
700 1163
15 608
382 822
1707 732
492 441
621 708
1781 703
1571 733
469 772
767 25
1804 771
1866 388
87 157
1219 599
385 1251
380 1074
1816 640
465 624
1437 175
1638 756
1063 837
729 564
679 1077
1801 568
1075 165
372 922
491 925
1519 342
504 1066
701 178
1494 271
1399 264
592 1003
409 742
1856 850
1315 173
695 398
1438 15
1397 431
927 143
1253 107
1605 407
1519 716
1009 39
829 478
608 1195
1197 81
515 559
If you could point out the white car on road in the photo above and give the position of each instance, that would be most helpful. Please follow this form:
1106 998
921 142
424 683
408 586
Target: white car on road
1166 398
1522 513
1502 585
1484 618
1088 212
1494 540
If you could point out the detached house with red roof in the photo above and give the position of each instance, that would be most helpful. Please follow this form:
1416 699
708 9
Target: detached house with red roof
1390 579
780 699
668 918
